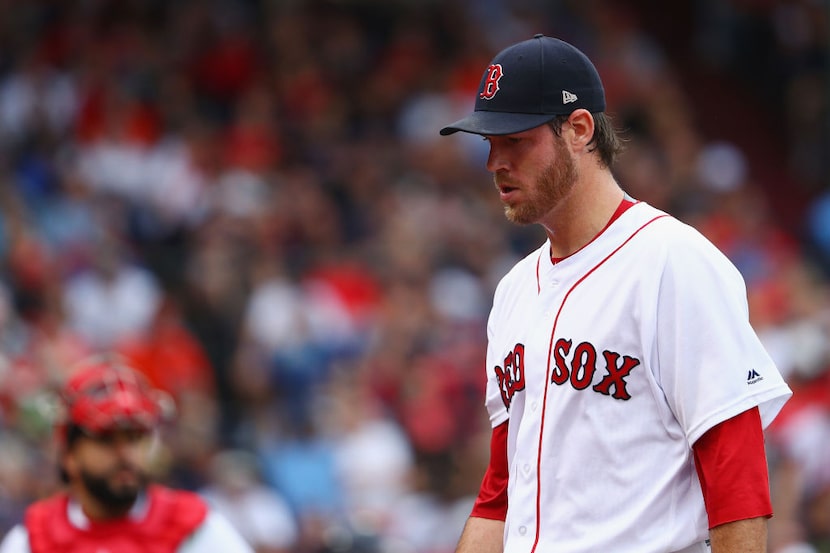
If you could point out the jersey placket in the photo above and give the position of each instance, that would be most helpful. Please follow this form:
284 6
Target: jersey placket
527 474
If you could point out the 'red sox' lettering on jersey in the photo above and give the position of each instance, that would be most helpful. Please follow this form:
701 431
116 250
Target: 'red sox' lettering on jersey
577 367
512 376
583 364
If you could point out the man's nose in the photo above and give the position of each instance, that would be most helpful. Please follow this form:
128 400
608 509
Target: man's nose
495 159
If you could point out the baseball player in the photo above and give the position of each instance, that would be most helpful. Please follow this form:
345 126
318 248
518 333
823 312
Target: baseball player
105 438
626 389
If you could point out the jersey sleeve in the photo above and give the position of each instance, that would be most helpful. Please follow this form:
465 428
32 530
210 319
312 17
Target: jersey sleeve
215 535
496 409
16 541
710 363
492 496
731 465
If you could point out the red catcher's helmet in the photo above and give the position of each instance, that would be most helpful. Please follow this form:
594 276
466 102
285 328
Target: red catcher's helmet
104 393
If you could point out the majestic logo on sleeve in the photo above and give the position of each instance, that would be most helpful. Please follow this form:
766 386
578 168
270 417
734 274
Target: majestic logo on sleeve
575 365
753 376
491 82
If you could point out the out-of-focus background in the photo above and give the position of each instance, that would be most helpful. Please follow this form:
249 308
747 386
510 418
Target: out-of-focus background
251 200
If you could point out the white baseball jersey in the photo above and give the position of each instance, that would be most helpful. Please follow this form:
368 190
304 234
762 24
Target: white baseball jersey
609 365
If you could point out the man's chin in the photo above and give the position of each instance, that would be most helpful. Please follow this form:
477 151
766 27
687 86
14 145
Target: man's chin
118 494
518 216
126 492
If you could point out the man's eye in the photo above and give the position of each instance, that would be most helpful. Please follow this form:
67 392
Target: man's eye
106 438
136 435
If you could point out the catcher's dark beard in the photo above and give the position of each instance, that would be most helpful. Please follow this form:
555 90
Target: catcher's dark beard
117 501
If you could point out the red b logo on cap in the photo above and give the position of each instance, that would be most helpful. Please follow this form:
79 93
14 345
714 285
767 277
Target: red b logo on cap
491 83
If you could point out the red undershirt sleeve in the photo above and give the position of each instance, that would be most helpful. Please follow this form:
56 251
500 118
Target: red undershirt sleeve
491 502
731 464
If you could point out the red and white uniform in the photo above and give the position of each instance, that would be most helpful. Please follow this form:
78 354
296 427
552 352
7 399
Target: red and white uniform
608 366
162 521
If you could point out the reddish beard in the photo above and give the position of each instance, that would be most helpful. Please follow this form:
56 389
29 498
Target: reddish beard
553 184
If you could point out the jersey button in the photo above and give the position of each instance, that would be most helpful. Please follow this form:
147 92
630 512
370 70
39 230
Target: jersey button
533 406
526 469
523 530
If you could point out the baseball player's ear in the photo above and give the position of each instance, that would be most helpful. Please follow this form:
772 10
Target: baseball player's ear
67 464
582 123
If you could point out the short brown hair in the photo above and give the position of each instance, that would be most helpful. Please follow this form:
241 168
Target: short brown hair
606 141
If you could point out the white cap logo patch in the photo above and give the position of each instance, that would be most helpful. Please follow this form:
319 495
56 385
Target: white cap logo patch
568 97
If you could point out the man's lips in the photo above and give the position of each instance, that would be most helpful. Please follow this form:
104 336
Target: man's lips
506 190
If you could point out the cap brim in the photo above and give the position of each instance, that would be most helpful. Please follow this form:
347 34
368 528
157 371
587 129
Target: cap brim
497 122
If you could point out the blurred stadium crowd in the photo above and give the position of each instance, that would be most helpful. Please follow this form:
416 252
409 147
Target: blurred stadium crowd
250 199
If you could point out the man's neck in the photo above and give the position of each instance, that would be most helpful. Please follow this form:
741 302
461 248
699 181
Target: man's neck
584 215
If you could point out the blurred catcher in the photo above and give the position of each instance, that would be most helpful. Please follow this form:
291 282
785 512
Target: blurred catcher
109 415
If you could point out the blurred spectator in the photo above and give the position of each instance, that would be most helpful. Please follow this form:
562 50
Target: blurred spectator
259 514
300 464
168 353
112 299
373 456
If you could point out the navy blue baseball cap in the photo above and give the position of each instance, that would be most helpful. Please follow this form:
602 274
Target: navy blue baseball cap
529 84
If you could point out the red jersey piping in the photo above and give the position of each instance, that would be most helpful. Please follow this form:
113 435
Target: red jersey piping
547 375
